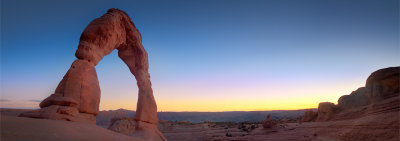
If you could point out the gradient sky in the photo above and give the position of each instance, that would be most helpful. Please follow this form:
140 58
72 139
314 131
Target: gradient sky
224 55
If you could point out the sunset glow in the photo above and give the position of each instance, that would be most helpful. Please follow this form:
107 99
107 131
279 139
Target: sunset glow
206 56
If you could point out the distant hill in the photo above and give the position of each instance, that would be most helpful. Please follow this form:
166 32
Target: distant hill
104 117
12 112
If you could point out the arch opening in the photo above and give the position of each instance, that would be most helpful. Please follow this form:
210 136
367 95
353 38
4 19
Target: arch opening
117 84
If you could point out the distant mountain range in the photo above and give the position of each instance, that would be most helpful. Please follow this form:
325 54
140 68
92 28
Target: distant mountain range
104 117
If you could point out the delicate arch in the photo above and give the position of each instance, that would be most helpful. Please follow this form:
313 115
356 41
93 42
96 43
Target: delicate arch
77 96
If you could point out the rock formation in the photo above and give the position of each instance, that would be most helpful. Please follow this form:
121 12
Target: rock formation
326 110
269 123
356 98
380 95
77 96
380 85
124 125
383 84
309 115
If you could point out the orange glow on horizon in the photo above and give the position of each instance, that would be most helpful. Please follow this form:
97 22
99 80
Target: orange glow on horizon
242 99
201 105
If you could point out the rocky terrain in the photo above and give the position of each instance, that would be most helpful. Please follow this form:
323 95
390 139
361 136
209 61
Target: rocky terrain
373 111
379 96
365 128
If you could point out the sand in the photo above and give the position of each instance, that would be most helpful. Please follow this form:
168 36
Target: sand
24 129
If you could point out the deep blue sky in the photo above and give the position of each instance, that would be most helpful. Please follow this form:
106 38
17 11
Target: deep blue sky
224 50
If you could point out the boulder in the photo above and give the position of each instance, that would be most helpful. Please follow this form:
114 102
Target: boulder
309 115
123 125
326 110
269 123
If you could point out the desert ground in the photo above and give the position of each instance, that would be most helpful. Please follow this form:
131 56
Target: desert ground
366 128
20 129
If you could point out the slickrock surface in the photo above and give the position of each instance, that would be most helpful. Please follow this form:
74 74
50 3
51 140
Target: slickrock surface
30 129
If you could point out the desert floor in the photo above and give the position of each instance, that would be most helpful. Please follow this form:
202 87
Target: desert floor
365 128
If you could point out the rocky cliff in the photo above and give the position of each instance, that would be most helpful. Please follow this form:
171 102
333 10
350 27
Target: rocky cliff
379 95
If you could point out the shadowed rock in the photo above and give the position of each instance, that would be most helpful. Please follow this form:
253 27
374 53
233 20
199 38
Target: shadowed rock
309 115
380 85
383 84
380 95
124 125
357 98
326 110
269 123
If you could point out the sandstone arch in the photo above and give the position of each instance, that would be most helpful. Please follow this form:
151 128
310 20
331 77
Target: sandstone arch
77 96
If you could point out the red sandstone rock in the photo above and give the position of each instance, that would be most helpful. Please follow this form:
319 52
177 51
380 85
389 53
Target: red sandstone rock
357 98
57 112
383 84
77 97
309 115
380 95
123 125
57 99
269 123
326 110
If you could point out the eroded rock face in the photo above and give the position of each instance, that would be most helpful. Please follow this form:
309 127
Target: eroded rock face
326 110
131 127
383 84
77 97
123 125
380 95
309 115
357 98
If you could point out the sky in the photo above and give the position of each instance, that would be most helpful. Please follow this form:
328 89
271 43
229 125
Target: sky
224 55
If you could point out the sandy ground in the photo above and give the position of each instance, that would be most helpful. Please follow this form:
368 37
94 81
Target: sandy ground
373 127
29 129
361 129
